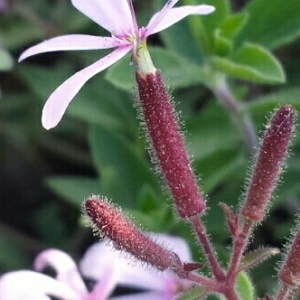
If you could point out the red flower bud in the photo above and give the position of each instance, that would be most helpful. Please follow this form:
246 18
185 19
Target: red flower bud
290 270
167 144
125 236
269 161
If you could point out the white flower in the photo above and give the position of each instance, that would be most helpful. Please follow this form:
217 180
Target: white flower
118 17
106 266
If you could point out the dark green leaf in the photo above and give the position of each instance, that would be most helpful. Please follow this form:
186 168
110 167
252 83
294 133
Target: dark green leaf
210 131
12 254
219 166
148 200
74 189
252 63
272 23
122 171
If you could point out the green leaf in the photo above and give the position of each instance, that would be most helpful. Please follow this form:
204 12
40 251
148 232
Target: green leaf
152 221
6 62
262 106
12 254
195 293
123 173
244 287
232 26
179 71
225 34
11 37
210 131
147 200
252 63
74 189
223 45
272 23
215 19
255 257
219 166
267 103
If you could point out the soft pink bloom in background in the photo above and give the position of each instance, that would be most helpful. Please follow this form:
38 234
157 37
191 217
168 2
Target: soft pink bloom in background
117 17
101 263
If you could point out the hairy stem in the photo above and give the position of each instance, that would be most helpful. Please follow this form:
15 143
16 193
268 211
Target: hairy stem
242 121
207 248
284 292
239 244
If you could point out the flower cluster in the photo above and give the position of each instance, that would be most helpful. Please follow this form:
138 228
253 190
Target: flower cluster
107 267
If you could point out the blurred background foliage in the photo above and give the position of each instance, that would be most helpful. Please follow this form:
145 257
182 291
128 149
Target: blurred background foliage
99 147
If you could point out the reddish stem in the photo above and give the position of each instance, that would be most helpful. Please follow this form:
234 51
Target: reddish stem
284 292
207 248
239 244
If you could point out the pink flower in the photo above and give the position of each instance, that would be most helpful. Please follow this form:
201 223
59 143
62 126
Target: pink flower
118 17
101 263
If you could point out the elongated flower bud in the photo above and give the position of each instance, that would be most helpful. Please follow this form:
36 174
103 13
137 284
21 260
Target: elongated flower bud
268 165
167 144
125 236
290 270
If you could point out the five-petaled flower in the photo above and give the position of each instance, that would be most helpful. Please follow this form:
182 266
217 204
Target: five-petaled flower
107 267
118 17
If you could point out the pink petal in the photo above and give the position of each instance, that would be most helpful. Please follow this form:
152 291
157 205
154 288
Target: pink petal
64 266
70 42
174 15
101 255
144 296
106 285
156 19
59 100
131 273
113 15
176 244
29 285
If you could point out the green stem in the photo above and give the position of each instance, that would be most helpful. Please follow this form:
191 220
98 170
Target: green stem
242 120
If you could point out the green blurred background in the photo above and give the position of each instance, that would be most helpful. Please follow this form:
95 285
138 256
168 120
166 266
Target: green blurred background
99 147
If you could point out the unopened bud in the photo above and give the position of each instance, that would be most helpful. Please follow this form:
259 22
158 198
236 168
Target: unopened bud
167 144
268 165
124 235
290 270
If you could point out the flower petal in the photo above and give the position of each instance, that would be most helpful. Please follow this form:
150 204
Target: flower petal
64 266
175 244
29 285
156 19
144 296
174 15
59 100
113 15
107 284
70 42
99 255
